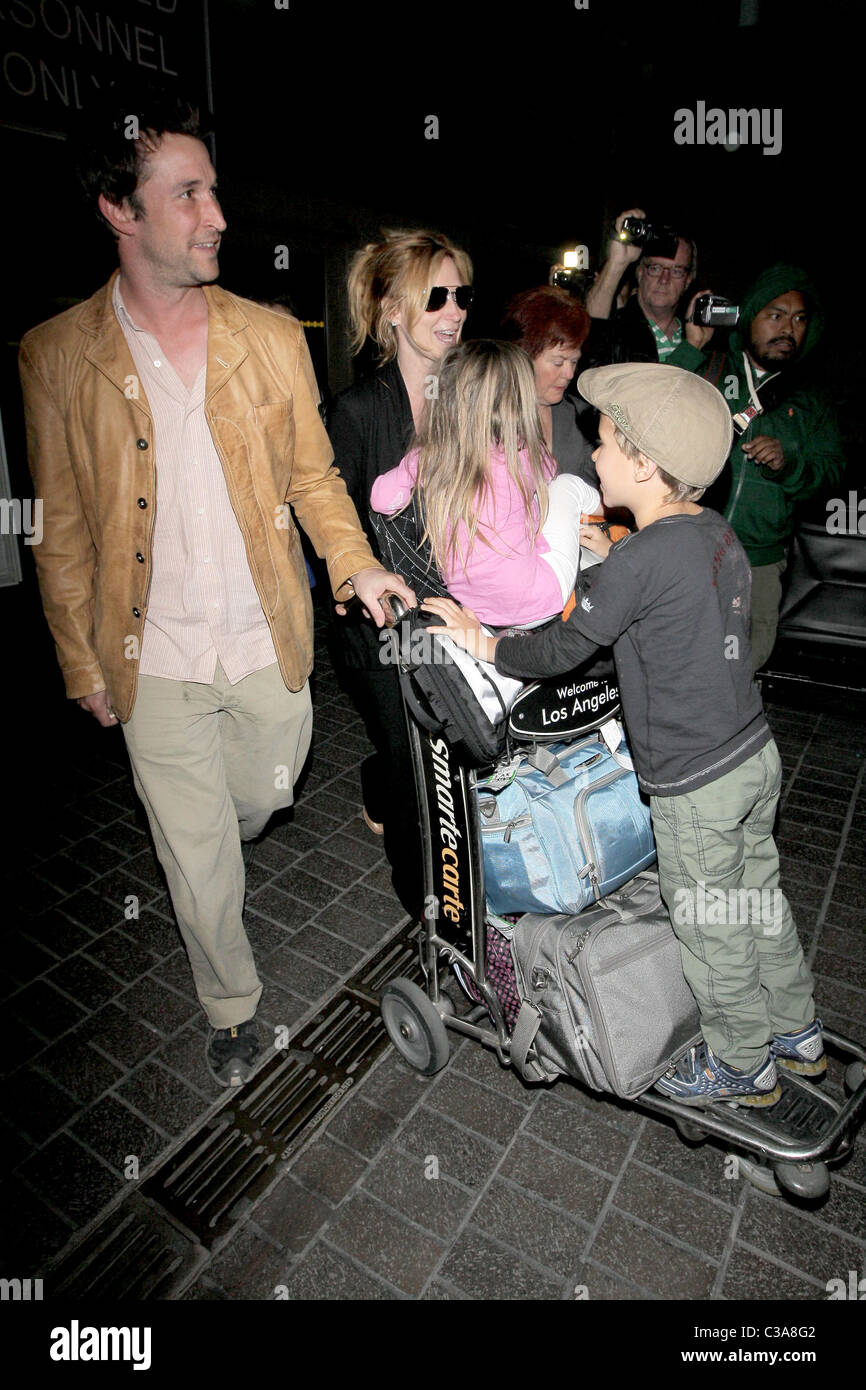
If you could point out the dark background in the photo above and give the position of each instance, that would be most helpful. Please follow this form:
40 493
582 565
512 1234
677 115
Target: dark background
551 120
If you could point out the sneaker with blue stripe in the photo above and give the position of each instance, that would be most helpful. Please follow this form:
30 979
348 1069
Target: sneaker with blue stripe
700 1076
803 1051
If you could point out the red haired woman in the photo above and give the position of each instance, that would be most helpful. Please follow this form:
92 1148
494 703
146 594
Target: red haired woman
551 326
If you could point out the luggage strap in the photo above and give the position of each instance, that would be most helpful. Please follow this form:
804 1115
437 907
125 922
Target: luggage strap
547 762
525 1029
431 722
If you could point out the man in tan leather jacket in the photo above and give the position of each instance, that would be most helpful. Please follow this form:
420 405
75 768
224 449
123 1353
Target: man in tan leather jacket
171 427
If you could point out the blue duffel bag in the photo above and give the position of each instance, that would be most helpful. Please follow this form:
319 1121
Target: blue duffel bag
561 826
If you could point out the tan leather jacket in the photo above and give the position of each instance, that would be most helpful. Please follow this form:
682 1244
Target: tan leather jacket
90 440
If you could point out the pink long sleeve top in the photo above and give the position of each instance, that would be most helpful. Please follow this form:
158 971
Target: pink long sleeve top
505 581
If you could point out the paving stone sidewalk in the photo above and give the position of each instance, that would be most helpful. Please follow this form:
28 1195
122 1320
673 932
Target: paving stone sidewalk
472 1185
106 1039
467 1185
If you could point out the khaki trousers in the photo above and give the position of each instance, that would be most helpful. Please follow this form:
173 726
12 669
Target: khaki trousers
719 877
211 763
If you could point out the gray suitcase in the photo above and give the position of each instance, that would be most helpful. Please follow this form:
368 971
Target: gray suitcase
603 996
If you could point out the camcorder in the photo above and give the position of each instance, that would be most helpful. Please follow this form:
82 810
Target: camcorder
712 311
656 241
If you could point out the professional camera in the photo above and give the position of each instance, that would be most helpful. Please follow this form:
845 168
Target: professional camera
656 241
712 311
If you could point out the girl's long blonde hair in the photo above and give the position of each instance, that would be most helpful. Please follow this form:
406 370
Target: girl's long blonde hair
398 271
485 398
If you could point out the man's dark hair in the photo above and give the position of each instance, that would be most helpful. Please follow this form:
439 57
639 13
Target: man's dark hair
113 141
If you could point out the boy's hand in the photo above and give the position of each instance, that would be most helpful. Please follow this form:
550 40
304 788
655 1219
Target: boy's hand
462 627
595 540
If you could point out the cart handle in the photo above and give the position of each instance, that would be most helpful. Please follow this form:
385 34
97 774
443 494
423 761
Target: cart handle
394 605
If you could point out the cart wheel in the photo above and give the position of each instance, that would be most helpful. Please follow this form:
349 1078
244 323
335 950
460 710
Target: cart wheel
692 1133
759 1175
855 1075
414 1026
808 1180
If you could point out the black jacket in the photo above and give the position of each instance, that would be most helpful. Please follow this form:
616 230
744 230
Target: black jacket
624 337
370 427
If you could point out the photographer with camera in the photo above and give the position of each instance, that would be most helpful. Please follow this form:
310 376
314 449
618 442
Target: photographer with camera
646 328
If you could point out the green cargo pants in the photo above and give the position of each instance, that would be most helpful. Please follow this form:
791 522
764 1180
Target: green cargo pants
719 877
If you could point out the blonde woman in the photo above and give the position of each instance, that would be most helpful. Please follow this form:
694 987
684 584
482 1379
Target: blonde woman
504 530
409 293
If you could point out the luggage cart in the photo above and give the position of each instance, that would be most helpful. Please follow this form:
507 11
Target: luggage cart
787 1148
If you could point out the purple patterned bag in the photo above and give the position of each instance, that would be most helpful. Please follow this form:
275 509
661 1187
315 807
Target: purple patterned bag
499 966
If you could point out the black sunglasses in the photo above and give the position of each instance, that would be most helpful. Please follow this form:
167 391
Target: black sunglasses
440 294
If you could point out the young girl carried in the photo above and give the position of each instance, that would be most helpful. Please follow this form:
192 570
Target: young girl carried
503 527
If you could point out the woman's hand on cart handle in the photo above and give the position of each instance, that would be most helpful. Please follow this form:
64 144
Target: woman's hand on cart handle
463 627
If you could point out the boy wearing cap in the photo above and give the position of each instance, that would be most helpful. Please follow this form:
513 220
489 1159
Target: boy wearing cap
673 599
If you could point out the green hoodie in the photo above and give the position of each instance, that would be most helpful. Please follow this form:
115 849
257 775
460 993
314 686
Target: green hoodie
758 500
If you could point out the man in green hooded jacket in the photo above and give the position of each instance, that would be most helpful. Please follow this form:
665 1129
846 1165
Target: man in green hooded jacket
787 443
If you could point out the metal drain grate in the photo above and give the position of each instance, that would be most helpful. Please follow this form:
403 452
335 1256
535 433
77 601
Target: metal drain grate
153 1244
134 1253
398 957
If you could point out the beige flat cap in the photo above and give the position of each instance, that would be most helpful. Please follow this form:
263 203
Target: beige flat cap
676 418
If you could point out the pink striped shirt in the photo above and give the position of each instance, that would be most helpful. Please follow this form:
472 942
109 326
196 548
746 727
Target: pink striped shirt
202 606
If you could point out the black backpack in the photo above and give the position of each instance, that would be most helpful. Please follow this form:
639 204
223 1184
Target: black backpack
449 692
